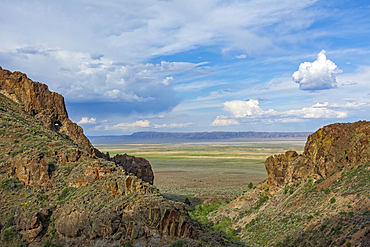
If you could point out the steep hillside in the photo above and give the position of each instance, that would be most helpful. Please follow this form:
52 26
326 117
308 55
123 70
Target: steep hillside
57 190
319 198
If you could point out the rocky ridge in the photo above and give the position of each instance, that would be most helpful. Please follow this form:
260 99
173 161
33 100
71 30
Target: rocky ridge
318 198
57 190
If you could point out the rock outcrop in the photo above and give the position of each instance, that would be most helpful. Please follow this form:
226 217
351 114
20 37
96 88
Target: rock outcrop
73 194
326 151
49 107
137 166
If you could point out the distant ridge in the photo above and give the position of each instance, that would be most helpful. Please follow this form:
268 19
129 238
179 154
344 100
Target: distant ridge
195 136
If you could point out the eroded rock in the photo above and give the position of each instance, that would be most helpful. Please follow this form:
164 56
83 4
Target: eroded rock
137 166
326 151
49 107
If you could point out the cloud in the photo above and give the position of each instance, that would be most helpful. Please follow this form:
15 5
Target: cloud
126 126
241 56
167 80
224 121
317 111
349 83
86 120
319 75
250 108
172 125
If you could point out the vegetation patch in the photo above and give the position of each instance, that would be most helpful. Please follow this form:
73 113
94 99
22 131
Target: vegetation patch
10 184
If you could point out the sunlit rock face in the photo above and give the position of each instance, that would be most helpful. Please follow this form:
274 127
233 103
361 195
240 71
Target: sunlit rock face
48 107
326 151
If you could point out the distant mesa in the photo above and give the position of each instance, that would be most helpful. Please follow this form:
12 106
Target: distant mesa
196 136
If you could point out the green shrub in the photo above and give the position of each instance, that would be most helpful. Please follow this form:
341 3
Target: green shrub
250 185
48 243
8 234
42 197
322 227
65 192
201 211
10 184
9 222
261 201
187 201
128 244
179 243
319 180
332 200
326 191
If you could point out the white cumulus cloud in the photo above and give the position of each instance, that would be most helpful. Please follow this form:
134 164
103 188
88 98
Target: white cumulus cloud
251 108
318 75
167 80
319 110
125 126
86 120
224 121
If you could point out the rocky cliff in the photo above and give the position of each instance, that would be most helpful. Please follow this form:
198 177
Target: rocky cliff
318 198
48 107
56 193
327 151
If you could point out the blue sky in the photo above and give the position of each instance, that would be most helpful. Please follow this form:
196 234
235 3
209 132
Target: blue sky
185 66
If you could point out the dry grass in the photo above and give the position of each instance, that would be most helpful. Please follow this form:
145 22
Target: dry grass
211 168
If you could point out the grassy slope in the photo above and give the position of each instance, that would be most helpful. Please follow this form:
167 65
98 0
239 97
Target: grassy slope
22 135
329 212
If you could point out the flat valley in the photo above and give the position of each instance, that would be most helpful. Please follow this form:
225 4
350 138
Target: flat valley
207 168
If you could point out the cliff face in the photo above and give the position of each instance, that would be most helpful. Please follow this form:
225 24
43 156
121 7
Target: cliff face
52 191
48 107
327 151
318 198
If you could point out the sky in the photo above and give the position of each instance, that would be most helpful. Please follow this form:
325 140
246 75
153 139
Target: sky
194 66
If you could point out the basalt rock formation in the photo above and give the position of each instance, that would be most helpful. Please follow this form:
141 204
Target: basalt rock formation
327 150
137 166
48 107
55 189
318 198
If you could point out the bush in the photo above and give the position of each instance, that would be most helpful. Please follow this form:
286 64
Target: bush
42 197
250 185
8 234
65 192
10 184
9 222
332 200
179 243
187 201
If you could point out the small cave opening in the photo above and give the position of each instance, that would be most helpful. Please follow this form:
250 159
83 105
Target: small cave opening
57 125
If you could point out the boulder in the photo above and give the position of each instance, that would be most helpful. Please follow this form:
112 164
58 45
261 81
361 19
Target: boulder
137 166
